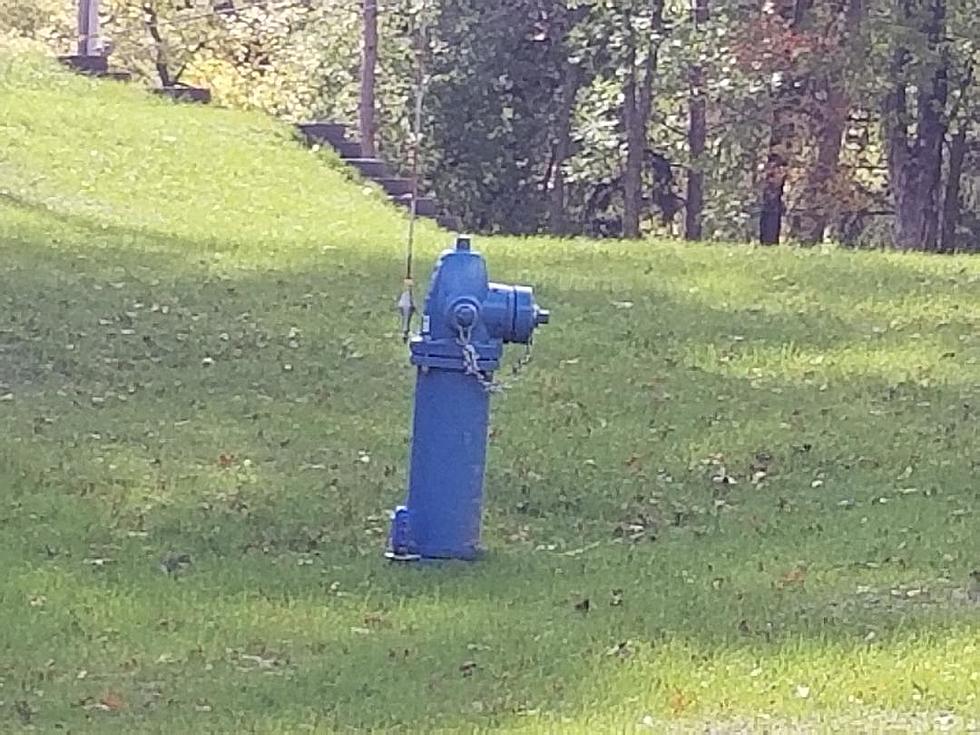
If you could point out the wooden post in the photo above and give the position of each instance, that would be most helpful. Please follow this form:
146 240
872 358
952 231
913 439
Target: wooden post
369 61
89 39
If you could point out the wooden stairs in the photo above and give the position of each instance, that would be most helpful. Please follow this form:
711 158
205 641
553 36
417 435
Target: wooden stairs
94 66
398 189
98 66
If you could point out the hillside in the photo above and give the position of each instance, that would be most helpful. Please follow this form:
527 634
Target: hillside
757 466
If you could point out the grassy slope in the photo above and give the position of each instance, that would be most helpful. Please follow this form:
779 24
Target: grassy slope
138 239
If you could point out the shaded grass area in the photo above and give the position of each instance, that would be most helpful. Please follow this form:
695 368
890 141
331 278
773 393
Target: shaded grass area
758 467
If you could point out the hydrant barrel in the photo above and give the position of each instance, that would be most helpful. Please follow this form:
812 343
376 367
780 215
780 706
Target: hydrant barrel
466 321
448 456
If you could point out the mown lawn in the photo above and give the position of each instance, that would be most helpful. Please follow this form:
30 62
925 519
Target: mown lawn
758 467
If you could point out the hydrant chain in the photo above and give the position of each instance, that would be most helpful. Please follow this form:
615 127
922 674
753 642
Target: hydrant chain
471 362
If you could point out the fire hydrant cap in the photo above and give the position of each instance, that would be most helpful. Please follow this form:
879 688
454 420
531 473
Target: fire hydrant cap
465 314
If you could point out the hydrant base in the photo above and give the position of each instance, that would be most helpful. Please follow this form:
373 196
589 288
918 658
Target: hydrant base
434 559
393 556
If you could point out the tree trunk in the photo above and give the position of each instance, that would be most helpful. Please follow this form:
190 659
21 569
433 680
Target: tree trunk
915 163
697 134
557 221
774 174
830 118
161 62
787 103
634 154
637 102
369 62
951 199
819 201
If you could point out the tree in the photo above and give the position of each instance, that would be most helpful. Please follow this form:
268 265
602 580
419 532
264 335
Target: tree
644 35
853 120
958 148
697 133
782 25
914 121
839 40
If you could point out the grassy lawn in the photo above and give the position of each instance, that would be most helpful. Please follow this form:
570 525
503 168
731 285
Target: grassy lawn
758 466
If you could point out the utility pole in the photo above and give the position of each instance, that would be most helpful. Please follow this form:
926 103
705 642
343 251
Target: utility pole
89 38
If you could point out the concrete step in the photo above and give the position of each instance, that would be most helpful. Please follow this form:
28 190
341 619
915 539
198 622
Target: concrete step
181 93
324 133
370 168
86 64
398 189
424 206
348 149
395 186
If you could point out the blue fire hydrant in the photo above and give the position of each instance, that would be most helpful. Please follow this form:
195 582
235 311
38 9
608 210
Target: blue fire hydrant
466 320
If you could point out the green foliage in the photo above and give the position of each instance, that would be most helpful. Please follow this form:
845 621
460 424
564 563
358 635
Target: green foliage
499 77
49 22
492 107
758 466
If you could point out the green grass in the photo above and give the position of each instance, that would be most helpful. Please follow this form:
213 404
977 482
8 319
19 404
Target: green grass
180 284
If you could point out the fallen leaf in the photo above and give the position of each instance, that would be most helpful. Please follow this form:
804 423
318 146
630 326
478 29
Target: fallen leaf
679 702
112 701
793 578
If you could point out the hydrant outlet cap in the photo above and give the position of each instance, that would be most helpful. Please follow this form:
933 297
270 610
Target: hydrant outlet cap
465 314
463 242
543 316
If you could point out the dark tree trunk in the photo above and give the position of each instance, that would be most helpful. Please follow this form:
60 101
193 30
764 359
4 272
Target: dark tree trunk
958 148
831 123
951 198
771 206
369 62
161 62
787 101
915 162
634 154
819 201
697 134
774 174
637 102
